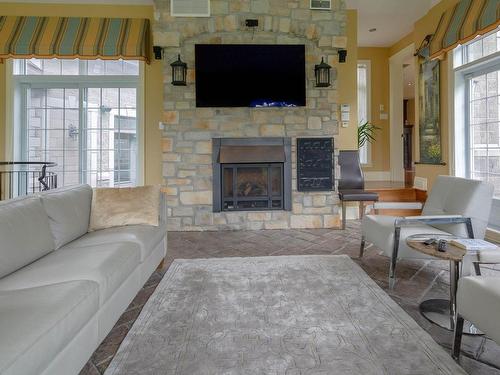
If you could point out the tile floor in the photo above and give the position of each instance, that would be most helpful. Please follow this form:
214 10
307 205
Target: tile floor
416 281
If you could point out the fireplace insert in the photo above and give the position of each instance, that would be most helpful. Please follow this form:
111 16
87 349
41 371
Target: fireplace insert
252 186
251 174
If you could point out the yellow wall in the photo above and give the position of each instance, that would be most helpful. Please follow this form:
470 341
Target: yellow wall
347 85
153 77
424 26
379 58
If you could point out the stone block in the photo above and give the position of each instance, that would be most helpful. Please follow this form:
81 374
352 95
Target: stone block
259 6
230 23
219 7
196 197
314 123
325 41
301 14
306 221
166 144
166 38
186 173
259 216
339 42
169 190
319 200
171 117
203 147
272 130
284 25
183 211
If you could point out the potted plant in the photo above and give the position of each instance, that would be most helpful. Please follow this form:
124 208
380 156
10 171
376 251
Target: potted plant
366 133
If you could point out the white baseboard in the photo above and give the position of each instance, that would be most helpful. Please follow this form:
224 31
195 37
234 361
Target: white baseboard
377 176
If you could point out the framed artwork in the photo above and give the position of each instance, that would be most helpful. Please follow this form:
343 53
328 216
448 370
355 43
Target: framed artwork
430 125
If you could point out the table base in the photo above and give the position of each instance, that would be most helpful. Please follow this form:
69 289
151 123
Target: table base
437 311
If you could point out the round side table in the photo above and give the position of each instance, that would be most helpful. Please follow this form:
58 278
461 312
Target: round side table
441 311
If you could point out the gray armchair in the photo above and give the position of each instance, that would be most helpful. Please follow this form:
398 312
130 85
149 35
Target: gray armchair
456 206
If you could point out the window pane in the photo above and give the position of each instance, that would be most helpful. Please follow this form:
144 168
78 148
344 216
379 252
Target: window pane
70 67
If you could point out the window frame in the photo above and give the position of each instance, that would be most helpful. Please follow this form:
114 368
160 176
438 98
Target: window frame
19 89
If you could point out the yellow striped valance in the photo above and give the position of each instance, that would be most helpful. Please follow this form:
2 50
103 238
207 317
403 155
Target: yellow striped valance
463 22
75 37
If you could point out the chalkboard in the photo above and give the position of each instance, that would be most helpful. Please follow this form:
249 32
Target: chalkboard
315 164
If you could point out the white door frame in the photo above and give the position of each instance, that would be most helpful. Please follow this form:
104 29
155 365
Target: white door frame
396 82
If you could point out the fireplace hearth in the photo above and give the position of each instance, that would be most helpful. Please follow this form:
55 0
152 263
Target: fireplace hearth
252 174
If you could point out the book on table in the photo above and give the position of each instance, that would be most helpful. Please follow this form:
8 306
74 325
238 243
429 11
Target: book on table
473 244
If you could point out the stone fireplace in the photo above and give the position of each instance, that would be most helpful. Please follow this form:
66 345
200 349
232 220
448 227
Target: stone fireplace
252 174
205 192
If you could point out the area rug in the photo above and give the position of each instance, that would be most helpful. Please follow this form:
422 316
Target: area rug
289 315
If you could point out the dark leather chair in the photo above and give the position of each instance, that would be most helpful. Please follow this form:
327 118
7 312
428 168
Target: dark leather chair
352 183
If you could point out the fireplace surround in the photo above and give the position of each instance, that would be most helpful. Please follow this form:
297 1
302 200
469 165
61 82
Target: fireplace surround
252 174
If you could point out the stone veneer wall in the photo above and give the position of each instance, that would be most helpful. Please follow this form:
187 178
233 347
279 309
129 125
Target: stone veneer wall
188 132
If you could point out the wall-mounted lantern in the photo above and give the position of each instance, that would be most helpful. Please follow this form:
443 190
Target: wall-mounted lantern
322 73
179 72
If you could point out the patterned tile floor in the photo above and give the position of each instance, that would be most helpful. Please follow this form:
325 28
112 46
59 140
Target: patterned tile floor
417 281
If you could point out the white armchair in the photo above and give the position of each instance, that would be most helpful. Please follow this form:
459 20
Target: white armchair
456 206
478 301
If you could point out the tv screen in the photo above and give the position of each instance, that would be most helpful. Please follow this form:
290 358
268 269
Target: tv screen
236 75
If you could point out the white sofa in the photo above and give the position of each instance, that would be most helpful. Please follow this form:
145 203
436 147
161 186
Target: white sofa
62 289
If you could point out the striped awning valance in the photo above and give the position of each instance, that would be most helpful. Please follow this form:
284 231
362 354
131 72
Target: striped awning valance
75 37
463 22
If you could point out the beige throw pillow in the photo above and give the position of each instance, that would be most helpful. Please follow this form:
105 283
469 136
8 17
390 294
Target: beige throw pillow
115 207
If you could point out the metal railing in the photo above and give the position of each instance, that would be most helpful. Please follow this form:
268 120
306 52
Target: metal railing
19 178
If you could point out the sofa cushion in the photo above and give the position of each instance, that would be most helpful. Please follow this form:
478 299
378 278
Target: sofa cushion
24 232
146 236
37 323
115 207
68 210
379 229
108 265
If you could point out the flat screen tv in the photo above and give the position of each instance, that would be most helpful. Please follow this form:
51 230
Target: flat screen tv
237 75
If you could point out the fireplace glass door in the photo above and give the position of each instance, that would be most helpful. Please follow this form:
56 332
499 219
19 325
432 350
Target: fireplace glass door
252 187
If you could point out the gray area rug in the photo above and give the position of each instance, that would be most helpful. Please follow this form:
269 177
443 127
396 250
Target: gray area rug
288 315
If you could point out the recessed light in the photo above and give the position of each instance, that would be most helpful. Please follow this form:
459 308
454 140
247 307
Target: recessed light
372 30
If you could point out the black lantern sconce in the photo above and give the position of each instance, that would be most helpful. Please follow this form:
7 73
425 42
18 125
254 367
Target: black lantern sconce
179 72
322 73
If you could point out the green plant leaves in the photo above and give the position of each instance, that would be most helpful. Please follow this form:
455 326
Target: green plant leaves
366 133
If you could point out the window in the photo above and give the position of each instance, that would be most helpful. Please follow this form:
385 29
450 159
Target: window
364 95
81 115
477 113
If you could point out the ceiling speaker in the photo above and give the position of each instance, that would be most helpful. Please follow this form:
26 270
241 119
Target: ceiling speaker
190 8
321 4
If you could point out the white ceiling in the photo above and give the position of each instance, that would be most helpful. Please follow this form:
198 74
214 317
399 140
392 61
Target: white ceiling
393 19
